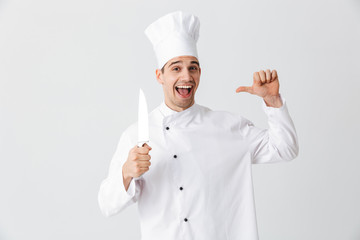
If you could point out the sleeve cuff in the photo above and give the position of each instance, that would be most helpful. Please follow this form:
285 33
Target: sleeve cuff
131 190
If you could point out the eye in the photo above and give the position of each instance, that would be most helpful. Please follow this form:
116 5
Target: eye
193 68
175 68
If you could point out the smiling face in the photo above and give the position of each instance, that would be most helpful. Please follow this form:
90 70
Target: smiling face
180 80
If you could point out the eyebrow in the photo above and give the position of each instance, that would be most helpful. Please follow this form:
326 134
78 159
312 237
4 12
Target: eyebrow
182 61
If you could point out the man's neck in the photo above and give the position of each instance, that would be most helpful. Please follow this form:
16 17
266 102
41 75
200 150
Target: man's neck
177 108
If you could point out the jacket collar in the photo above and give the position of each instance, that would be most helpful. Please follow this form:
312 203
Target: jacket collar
172 116
165 110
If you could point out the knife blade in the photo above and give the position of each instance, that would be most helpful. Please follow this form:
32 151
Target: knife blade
143 123
143 120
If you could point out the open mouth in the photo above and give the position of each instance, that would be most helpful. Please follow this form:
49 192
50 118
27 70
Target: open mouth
184 91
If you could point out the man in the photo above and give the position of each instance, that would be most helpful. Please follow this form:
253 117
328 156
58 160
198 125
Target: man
198 184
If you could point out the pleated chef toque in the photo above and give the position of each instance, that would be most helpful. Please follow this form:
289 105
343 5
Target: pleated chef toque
173 35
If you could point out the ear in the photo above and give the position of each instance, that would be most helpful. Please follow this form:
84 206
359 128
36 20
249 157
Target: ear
159 76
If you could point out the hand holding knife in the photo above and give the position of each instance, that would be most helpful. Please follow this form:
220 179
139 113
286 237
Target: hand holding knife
138 161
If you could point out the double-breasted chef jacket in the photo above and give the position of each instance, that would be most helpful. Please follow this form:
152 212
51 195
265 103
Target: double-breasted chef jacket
199 185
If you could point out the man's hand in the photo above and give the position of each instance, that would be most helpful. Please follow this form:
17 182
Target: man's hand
266 85
138 162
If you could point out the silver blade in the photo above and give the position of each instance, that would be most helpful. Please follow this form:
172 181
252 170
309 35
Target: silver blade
143 121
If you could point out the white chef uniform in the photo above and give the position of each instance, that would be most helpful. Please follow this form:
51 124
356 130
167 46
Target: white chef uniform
199 185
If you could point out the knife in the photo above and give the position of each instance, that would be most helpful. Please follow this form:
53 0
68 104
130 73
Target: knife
143 122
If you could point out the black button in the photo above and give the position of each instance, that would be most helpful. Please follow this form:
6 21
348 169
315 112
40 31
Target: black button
181 188
175 156
167 128
185 219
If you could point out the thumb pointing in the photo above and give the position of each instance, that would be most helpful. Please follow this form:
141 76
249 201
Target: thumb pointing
243 89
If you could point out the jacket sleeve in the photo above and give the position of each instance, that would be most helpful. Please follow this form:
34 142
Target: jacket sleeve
277 143
112 196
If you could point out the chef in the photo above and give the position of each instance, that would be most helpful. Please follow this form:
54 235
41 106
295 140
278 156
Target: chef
193 180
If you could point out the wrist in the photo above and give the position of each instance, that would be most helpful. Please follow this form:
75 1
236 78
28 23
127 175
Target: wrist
273 101
125 176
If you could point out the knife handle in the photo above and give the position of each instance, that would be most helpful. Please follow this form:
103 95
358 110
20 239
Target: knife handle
139 177
136 178
141 144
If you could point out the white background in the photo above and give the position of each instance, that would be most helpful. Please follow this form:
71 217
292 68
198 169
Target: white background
70 73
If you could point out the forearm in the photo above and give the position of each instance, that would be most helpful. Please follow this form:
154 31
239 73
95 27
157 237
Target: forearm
282 135
279 142
116 192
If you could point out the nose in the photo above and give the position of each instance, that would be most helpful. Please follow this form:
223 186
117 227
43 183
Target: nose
186 74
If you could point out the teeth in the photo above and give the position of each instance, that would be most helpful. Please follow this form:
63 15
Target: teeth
184 86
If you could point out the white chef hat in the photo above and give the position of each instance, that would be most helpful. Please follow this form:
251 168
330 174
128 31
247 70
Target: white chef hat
173 35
